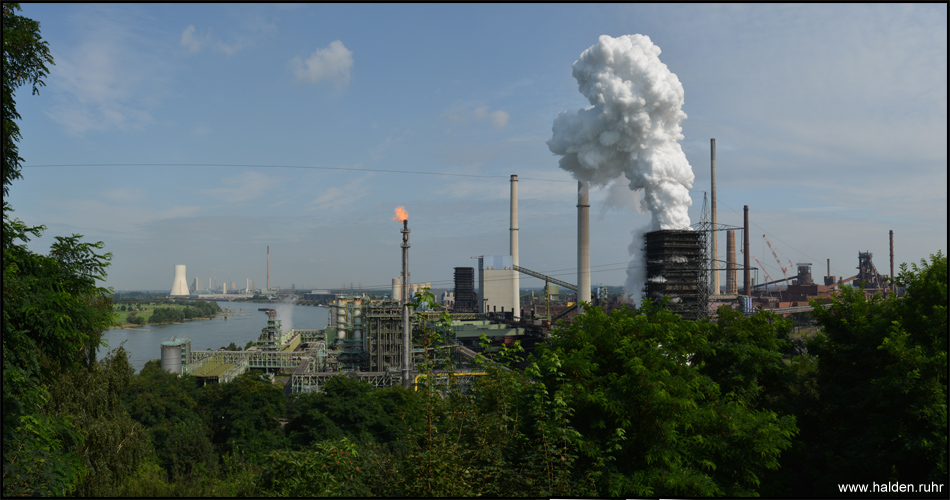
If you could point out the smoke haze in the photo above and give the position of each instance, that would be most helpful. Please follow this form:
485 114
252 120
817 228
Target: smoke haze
631 128
285 313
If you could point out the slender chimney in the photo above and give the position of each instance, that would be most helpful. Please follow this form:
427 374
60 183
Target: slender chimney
731 284
583 242
892 287
516 306
747 274
715 227
406 333
268 268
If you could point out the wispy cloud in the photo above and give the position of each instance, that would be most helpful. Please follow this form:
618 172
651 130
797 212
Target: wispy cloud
338 197
243 187
461 114
113 77
125 194
332 64
196 42
499 118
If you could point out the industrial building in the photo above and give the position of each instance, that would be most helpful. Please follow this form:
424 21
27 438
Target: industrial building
363 339
675 268
495 290
372 339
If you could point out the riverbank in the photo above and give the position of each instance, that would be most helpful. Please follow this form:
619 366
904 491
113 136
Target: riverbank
125 325
245 322
132 313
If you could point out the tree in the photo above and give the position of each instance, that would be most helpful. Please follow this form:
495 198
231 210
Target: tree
242 416
325 468
25 56
167 406
348 408
882 385
53 316
92 399
647 421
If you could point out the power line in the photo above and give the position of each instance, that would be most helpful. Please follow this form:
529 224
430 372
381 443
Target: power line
309 167
770 234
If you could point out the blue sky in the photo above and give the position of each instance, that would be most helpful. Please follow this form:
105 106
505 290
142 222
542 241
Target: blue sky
830 123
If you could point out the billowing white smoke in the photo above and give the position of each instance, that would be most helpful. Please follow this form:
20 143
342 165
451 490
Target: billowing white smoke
632 127
285 313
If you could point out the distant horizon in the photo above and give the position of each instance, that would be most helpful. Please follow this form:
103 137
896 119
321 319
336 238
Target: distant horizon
202 134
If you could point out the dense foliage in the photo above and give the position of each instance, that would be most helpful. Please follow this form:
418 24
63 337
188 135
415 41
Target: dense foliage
631 403
25 56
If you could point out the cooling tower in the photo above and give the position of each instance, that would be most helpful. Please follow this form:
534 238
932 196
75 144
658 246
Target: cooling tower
180 285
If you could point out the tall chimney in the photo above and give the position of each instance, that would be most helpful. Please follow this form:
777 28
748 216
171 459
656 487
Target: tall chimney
715 227
731 284
406 332
892 287
583 243
516 307
268 268
747 274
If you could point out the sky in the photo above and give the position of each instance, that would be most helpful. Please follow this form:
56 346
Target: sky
201 134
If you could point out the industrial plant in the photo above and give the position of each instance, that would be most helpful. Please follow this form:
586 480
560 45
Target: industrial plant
374 339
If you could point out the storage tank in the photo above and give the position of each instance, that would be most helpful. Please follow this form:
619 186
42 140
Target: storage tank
171 357
397 289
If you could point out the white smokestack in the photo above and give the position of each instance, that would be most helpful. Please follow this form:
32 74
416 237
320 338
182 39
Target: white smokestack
583 243
516 307
631 128
715 225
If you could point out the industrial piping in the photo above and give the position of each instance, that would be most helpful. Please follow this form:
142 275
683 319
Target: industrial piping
516 307
406 333
715 227
583 243
747 274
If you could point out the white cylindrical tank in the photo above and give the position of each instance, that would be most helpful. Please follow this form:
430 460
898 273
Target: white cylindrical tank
171 358
357 320
397 289
180 283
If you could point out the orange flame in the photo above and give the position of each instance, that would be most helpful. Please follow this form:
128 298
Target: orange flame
401 214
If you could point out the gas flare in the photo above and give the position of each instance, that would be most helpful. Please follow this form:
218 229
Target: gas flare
401 214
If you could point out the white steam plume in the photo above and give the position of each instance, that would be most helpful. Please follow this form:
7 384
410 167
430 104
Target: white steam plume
632 127
285 313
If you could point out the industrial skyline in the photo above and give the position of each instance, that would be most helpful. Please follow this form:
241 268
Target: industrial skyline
830 123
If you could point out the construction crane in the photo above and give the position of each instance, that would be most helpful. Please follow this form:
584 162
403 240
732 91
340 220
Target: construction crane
769 277
780 266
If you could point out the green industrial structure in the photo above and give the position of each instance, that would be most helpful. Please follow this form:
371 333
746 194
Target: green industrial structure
363 340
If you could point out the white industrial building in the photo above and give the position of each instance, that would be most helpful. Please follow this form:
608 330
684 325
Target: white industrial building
496 284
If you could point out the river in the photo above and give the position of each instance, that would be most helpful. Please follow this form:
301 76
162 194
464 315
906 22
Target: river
244 323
